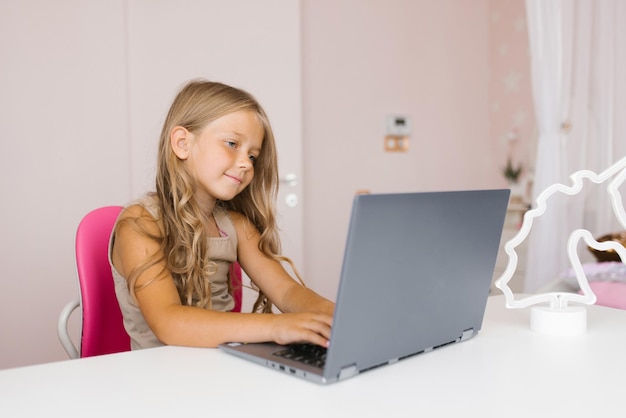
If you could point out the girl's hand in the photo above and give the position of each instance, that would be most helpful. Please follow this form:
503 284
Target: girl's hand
291 328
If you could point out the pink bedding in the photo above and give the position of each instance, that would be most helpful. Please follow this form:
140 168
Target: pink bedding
609 293
606 279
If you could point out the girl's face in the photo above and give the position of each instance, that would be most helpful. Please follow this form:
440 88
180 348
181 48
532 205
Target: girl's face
222 155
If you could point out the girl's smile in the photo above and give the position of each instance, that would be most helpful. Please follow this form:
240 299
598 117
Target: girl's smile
235 179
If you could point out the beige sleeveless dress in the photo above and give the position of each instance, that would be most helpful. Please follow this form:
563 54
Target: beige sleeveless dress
223 252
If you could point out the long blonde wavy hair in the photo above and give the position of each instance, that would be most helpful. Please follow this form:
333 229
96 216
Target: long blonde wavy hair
182 235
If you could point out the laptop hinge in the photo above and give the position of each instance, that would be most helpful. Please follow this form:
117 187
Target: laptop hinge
348 371
467 334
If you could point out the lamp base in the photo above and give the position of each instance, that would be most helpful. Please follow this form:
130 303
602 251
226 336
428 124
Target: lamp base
559 322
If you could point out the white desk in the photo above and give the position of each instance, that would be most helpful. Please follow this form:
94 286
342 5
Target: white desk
505 371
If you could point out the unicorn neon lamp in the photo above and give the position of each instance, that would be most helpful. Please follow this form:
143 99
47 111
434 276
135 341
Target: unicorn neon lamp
558 318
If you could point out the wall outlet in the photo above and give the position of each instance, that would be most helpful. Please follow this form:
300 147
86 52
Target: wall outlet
396 143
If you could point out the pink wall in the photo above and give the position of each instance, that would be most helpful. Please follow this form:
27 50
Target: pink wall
510 98
446 64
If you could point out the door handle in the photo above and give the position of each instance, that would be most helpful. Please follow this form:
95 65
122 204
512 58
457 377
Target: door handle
290 179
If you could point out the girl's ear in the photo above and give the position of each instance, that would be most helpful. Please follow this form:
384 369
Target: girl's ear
180 142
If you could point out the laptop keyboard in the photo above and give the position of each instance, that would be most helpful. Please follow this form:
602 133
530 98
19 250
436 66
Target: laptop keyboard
311 354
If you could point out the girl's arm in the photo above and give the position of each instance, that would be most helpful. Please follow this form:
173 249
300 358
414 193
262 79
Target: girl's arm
175 324
271 277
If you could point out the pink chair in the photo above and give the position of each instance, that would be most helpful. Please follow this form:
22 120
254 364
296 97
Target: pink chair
236 285
102 323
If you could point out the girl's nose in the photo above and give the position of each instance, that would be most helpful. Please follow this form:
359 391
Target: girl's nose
244 162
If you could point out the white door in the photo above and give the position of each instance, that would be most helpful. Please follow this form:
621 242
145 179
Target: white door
246 43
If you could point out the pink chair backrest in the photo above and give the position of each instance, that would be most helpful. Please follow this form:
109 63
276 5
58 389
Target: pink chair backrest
103 326
236 285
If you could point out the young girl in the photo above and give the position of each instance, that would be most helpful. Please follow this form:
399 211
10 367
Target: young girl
214 204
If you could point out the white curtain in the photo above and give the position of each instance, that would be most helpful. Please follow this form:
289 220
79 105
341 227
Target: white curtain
578 70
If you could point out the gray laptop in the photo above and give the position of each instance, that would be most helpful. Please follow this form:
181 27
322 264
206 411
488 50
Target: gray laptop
416 274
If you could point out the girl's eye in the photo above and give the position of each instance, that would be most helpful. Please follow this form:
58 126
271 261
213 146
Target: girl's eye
253 158
231 144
